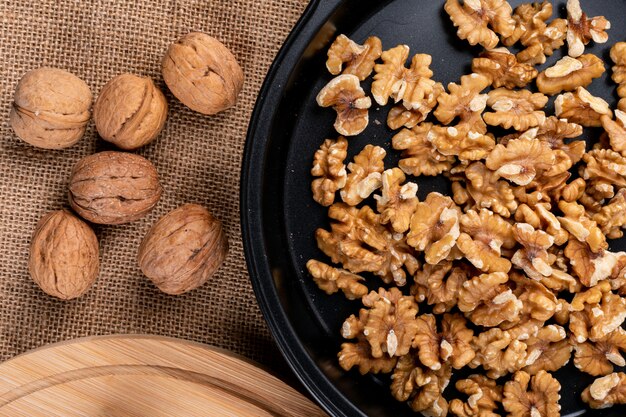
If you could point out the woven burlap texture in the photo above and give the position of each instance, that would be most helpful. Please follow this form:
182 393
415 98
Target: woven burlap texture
198 159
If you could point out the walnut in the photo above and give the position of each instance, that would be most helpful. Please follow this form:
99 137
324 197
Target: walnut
533 258
483 397
202 73
465 102
330 280
398 201
365 175
616 131
581 30
50 108
596 313
434 227
538 302
183 249
569 73
130 111
113 187
358 59
422 387
487 301
618 56
345 95
548 350
452 346
588 266
612 217
532 397
574 190
606 391
63 257
487 191
502 68
539 38
412 86
483 234
400 116
604 170
520 160
329 167
439 285
541 217
419 156
579 225
474 18
360 243
598 358
519 109
498 353
554 131
461 142
582 108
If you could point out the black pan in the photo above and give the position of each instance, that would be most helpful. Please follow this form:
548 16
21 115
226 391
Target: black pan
279 216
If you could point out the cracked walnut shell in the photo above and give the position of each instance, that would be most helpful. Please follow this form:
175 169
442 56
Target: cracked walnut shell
183 249
581 29
202 73
570 73
50 108
519 109
345 95
113 187
537 396
63 258
358 59
328 166
130 111
474 17
606 391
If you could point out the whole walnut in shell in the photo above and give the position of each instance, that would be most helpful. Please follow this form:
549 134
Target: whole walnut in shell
63 255
183 249
130 111
202 73
50 108
113 187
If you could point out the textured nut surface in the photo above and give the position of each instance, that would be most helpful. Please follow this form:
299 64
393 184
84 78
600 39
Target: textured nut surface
183 249
50 108
358 59
63 255
569 73
130 111
113 187
202 73
345 95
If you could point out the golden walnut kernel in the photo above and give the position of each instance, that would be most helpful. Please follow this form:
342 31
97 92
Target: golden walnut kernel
365 175
344 94
63 258
465 102
569 73
612 217
183 249
548 350
541 217
487 190
50 108
502 68
498 353
461 141
581 30
487 301
554 131
330 280
483 393
533 258
358 59
532 397
474 17
328 166
582 108
398 201
598 358
520 160
130 111
618 56
519 109
606 391
616 131
419 155
202 73
113 187
439 285
579 225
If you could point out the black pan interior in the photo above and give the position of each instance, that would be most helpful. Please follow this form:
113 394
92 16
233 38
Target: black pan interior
280 217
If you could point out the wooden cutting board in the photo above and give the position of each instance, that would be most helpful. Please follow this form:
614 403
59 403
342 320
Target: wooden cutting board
142 376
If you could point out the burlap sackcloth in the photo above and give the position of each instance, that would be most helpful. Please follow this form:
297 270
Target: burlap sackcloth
198 159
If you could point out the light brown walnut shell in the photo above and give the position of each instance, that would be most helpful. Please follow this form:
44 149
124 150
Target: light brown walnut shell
113 187
202 73
63 258
130 111
50 108
183 249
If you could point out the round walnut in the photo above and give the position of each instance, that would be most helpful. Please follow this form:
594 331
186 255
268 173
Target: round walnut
130 111
50 108
63 255
183 249
202 73
113 187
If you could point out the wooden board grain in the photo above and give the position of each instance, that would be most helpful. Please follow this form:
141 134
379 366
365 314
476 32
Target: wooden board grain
141 376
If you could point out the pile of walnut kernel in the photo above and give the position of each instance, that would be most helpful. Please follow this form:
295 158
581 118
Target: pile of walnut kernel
515 265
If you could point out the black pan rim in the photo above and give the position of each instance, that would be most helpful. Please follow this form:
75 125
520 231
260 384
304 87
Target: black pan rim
302 365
